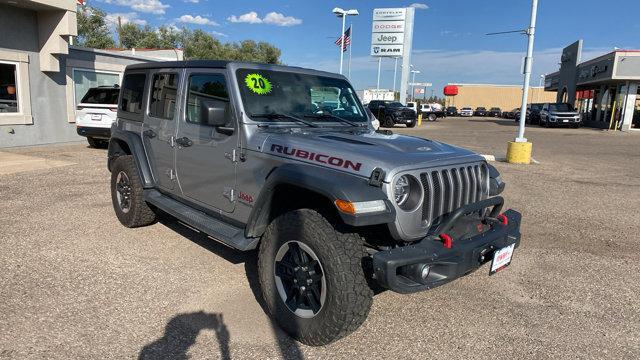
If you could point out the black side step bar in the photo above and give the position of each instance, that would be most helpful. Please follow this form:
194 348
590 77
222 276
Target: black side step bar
218 229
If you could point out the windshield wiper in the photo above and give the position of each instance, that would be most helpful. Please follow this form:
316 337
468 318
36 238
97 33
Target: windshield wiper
283 116
325 116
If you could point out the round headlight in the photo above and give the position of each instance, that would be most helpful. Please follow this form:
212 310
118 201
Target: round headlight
401 189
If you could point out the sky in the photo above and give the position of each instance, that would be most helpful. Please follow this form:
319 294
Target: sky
449 46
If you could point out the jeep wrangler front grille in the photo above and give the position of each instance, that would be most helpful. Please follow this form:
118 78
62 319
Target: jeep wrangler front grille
448 189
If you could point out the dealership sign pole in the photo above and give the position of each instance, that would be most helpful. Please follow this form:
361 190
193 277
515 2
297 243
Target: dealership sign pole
391 36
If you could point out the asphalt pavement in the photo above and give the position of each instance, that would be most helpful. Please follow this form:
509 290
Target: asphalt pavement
75 284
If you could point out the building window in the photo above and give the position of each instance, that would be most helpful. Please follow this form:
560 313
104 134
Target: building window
163 96
9 88
86 79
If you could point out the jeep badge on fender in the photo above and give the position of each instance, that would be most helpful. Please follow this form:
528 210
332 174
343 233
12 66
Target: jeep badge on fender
285 160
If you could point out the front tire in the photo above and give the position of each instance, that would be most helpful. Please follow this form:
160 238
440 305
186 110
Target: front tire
388 122
312 277
412 124
432 117
126 194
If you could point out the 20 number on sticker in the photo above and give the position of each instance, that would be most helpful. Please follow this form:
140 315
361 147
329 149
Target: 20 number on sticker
258 84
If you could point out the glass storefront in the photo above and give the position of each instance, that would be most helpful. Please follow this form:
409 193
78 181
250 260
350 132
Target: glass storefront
86 79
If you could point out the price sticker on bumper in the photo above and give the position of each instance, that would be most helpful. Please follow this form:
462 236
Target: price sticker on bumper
501 258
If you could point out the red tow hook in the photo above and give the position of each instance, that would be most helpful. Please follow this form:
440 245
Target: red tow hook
504 220
447 240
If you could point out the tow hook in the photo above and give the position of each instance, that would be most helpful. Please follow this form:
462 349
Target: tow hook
447 240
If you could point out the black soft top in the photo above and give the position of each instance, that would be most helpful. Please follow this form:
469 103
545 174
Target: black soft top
220 64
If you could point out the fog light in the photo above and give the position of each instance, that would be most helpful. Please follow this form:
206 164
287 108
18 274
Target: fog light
424 273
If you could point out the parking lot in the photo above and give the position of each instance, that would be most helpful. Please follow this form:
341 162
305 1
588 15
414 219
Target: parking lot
77 284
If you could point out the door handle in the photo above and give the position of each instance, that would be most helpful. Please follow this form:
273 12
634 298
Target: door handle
184 141
149 133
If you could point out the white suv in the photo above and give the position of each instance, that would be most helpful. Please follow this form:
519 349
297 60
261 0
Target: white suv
96 112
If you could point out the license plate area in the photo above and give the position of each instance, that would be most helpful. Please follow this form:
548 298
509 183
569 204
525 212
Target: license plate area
96 117
501 258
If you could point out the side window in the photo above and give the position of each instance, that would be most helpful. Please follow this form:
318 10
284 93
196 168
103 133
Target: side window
210 88
164 89
132 91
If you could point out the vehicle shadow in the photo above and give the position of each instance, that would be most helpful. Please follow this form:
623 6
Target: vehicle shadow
503 122
181 332
289 348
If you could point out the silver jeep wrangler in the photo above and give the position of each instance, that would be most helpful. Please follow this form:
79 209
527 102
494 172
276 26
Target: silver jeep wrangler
284 160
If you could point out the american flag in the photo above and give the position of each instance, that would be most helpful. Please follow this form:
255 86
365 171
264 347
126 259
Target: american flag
347 39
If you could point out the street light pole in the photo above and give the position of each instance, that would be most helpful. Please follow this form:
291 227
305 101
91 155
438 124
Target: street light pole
527 71
343 14
379 64
395 70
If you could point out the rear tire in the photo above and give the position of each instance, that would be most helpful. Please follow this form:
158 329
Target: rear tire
126 194
93 143
317 315
388 122
432 117
412 124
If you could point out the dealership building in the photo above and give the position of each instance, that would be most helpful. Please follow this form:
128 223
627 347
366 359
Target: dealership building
42 76
604 90
505 97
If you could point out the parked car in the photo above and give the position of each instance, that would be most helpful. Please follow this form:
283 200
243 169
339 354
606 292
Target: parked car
559 114
332 208
430 112
494 112
480 111
95 113
452 111
508 114
392 112
413 106
533 113
466 111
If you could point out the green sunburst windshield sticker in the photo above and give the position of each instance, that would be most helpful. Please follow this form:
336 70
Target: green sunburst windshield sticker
258 84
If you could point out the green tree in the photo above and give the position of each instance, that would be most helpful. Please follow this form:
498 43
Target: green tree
93 31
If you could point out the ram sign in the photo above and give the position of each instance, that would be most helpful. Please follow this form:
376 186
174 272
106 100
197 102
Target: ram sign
387 32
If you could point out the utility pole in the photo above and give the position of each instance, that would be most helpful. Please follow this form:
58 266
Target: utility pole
527 71
350 46
119 32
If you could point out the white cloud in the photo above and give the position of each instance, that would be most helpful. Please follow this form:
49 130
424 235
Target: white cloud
421 6
198 20
125 18
272 18
191 1
217 33
147 6
279 19
250 18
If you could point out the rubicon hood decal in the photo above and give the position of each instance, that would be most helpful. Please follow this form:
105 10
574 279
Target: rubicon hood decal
317 157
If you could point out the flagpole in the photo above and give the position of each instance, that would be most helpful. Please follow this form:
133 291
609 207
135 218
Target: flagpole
350 46
344 19
378 85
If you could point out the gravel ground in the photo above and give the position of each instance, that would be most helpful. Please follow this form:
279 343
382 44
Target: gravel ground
74 283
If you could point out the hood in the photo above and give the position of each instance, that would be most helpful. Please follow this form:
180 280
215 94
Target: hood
361 151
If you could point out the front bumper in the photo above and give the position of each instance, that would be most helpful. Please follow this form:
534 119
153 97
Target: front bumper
446 264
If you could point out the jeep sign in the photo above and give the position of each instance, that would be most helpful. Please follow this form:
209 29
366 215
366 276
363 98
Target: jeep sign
386 39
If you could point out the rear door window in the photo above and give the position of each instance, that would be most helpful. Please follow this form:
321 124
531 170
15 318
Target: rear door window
164 90
107 96
132 93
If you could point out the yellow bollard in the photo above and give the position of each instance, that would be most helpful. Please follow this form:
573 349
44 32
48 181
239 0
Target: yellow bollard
419 119
519 152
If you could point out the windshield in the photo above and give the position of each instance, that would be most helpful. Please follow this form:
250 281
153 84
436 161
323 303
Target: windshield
560 107
394 104
481 108
315 98
495 109
536 106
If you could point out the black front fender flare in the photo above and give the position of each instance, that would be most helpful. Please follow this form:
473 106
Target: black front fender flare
329 183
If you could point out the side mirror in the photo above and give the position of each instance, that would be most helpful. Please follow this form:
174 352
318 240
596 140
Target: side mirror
210 114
